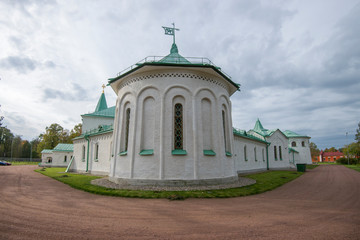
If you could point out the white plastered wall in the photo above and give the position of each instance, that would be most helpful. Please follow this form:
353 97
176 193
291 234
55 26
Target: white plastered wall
252 162
168 87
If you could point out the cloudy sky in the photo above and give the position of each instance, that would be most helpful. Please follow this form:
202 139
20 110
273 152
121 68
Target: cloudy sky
298 62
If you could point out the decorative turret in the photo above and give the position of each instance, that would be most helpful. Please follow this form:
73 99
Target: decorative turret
101 105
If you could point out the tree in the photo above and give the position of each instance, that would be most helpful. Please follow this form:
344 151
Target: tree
314 150
76 131
357 135
52 136
6 141
353 149
332 149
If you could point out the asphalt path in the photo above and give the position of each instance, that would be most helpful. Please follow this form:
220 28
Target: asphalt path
324 203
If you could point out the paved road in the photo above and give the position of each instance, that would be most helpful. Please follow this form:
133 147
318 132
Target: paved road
324 203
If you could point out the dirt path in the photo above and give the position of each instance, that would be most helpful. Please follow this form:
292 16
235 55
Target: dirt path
324 203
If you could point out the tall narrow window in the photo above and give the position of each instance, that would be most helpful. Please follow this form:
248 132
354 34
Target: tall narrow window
245 153
127 123
178 126
275 154
83 153
255 154
65 158
97 151
303 143
280 154
224 128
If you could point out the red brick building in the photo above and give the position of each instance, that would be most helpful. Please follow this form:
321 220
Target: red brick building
328 156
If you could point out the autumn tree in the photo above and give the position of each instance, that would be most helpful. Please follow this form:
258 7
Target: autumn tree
56 134
52 136
332 149
76 131
314 150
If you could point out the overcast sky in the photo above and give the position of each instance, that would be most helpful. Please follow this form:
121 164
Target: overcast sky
298 62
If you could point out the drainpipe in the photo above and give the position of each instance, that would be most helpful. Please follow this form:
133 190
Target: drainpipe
267 156
87 155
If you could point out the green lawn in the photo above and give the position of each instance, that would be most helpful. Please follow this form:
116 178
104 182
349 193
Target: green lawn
311 166
23 163
355 167
264 182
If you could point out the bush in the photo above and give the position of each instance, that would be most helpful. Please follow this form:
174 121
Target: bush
352 161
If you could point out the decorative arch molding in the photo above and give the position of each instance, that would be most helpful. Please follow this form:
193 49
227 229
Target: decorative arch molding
173 75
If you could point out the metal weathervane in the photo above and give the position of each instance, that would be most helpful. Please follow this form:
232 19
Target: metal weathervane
171 31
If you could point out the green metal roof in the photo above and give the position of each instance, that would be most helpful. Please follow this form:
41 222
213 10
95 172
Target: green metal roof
258 128
101 105
96 131
291 134
292 150
173 59
47 151
174 56
242 133
64 147
108 112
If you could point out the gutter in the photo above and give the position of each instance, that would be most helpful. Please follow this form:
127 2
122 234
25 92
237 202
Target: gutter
267 156
87 155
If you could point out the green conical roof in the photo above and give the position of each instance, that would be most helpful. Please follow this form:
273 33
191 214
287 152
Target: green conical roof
174 56
101 103
258 126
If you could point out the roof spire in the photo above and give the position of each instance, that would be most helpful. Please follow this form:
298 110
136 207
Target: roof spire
101 105
103 87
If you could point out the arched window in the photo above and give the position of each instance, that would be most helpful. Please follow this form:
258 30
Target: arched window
255 154
83 153
280 154
127 124
226 131
303 143
96 151
275 153
293 144
245 153
178 126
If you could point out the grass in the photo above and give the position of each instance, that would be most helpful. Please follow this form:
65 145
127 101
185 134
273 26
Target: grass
311 166
23 163
355 167
264 182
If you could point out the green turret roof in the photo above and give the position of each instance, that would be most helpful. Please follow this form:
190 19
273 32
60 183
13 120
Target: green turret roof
174 56
101 103
261 130
108 112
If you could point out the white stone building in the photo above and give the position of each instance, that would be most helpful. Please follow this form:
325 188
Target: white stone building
172 125
60 156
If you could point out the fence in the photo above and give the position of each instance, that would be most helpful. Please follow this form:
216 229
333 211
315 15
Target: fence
9 159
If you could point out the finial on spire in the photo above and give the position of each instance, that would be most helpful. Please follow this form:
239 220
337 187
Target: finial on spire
171 31
103 87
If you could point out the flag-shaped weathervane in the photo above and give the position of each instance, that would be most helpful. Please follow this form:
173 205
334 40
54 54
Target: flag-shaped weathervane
171 31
